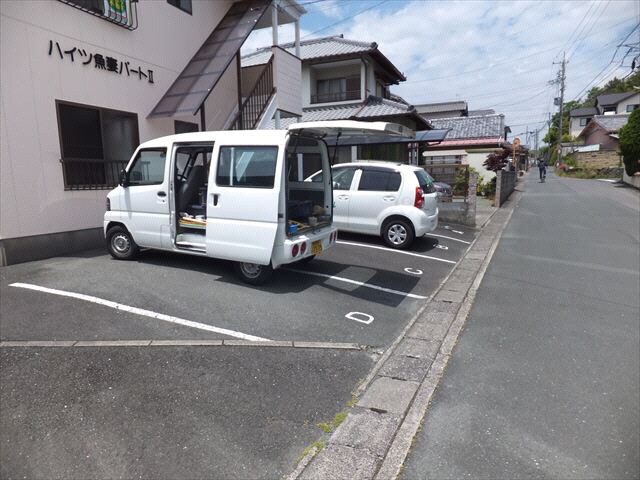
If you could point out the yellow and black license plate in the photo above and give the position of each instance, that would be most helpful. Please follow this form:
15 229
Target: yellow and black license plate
316 247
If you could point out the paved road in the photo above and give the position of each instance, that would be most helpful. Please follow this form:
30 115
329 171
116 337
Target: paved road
544 382
195 411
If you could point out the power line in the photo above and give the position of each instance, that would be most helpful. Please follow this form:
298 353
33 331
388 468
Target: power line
590 29
346 18
610 62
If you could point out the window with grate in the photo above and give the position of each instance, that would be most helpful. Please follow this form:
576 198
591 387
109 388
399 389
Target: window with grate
95 143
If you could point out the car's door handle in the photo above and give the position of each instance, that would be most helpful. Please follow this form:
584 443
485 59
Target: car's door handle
389 198
162 194
343 197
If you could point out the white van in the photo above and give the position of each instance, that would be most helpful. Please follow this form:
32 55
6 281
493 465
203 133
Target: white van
234 195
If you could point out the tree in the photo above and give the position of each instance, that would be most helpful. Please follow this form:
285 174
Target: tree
630 143
497 160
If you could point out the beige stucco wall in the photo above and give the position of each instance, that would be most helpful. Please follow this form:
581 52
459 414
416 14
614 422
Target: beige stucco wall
633 100
32 196
287 71
574 126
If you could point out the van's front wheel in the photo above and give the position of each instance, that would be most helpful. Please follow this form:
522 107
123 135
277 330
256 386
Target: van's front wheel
253 273
120 243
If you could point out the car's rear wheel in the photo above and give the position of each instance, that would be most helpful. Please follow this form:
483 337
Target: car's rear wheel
253 273
398 233
120 243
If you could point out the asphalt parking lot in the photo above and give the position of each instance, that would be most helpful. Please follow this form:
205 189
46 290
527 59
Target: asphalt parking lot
188 411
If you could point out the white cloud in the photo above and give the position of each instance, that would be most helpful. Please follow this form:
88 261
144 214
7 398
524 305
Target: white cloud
496 54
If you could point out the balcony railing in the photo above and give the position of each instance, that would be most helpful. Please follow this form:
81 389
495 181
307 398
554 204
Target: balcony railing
336 97
256 102
123 13
91 174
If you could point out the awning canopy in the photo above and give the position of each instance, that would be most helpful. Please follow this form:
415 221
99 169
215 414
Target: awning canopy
192 87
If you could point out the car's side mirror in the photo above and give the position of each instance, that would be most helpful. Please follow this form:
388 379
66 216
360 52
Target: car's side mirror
123 180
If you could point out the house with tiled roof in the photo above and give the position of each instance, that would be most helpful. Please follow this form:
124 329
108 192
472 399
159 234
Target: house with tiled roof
457 108
477 136
603 131
606 104
341 79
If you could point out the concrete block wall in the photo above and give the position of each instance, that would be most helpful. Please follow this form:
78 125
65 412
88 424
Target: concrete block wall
505 185
601 159
463 213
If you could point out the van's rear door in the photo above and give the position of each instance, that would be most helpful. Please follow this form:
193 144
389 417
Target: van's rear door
242 202
351 132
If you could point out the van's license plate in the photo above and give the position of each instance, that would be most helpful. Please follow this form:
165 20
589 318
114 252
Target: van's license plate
316 247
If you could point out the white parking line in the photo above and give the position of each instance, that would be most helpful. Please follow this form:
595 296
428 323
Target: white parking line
448 238
395 251
356 282
140 311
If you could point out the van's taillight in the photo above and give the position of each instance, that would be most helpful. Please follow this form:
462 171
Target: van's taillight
303 248
108 205
419 199
294 250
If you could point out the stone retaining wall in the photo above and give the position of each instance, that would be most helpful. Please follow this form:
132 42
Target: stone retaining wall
600 159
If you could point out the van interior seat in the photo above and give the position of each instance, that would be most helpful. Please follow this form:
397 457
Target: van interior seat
188 189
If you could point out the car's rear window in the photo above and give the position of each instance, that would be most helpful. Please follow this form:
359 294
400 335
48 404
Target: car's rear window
380 181
425 181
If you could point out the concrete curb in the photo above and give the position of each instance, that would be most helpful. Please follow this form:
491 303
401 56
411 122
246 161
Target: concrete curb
376 437
178 343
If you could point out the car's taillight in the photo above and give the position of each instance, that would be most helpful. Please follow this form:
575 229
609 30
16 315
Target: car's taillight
419 200
303 248
294 250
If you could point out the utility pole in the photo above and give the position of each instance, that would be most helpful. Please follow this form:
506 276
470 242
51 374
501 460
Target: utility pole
561 80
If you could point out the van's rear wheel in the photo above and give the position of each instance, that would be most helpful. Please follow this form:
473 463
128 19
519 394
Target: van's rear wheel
120 244
398 233
253 273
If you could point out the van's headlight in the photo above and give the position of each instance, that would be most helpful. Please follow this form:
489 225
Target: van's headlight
108 205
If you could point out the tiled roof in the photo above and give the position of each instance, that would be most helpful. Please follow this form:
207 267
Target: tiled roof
611 123
312 49
481 113
487 126
612 98
583 112
441 107
372 107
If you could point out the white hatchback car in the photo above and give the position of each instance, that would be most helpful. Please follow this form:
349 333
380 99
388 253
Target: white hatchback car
393 200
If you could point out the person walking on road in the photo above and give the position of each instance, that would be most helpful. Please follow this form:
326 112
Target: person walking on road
542 167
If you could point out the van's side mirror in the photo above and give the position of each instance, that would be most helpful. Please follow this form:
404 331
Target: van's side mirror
123 181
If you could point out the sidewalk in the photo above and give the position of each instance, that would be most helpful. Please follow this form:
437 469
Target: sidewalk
376 436
544 381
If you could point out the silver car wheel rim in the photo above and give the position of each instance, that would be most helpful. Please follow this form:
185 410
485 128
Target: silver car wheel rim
397 234
250 270
120 243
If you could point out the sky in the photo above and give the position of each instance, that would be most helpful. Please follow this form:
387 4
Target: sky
493 54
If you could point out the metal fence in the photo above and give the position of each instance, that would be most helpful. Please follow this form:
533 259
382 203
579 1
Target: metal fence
455 174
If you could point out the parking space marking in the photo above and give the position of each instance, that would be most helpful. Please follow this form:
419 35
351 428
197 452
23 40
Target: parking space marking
447 227
366 318
356 282
395 251
141 311
448 238
413 271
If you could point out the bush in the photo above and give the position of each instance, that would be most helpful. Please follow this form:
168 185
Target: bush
630 143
